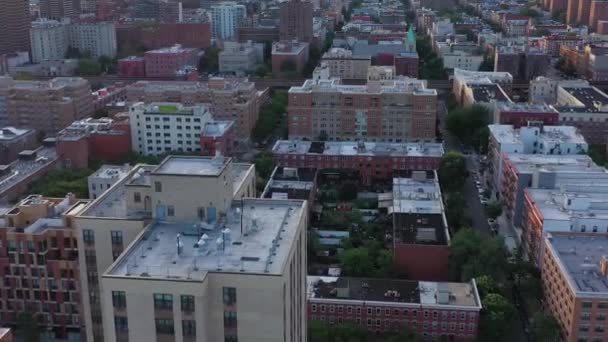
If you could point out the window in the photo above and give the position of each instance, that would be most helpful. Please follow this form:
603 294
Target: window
187 303
229 295
88 235
313 307
587 305
170 210
119 299
137 197
163 301
229 319
121 324
164 326
189 328
158 186
116 237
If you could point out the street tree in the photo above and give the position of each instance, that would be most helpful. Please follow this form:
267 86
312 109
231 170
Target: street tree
466 123
452 172
347 191
455 205
496 318
486 285
472 255
323 332
544 328
28 328
493 209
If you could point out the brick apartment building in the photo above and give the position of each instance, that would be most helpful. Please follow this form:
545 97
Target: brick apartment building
167 62
39 265
586 108
14 26
574 275
296 20
370 160
46 106
388 111
189 35
233 99
289 53
520 114
433 310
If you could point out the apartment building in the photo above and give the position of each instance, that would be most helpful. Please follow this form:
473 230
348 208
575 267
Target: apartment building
39 265
96 38
30 166
291 183
544 89
59 9
234 99
226 17
14 26
461 60
579 208
161 127
46 106
148 195
575 283
520 114
296 20
483 87
384 111
13 141
289 56
240 57
433 310
103 179
168 62
532 139
344 65
521 171
420 229
369 160
49 40
586 108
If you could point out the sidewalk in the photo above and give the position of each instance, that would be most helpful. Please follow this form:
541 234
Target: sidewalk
511 234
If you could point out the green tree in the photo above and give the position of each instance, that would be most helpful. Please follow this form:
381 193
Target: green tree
468 123
209 62
472 255
88 67
368 260
261 70
58 183
487 64
455 205
486 285
28 327
559 15
264 164
544 328
323 136
493 209
496 318
323 332
452 171
347 191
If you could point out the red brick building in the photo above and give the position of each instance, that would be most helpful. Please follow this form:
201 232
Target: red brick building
433 310
218 136
370 160
166 62
131 37
293 53
132 66
39 265
551 44
520 114
406 64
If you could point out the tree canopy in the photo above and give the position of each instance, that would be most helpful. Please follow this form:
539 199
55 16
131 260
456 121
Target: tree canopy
544 328
369 260
452 171
472 255
470 125
495 318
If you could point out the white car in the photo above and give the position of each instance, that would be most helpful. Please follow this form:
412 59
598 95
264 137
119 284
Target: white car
483 201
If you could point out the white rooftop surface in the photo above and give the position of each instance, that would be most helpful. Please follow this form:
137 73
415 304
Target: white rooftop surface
352 148
461 294
112 171
290 184
579 257
155 254
192 166
399 85
416 196
10 133
506 134
530 162
589 202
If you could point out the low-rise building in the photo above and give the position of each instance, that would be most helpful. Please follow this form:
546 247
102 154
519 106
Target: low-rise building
429 309
407 64
240 57
586 108
574 275
132 66
551 44
289 56
461 60
291 183
532 139
31 165
370 160
13 141
102 179
484 87
168 62
344 65
544 89
521 114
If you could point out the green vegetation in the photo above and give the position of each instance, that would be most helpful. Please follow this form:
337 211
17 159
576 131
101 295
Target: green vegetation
24 76
431 66
314 55
347 191
541 33
323 332
347 13
598 154
493 209
496 318
167 109
452 176
472 255
270 114
58 183
28 328
470 126
529 12
487 64
566 67
544 328
88 67
559 15
369 260
210 61
264 164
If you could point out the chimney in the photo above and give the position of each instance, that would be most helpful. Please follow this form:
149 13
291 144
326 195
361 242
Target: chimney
604 265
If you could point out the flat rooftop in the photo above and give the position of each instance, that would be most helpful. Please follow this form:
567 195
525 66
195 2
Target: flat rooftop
525 107
590 98
269 229
416 196
402 85
216 128
507 134
192 166
393 291
21 169
578 257
111 171
11 133
488 92
587 201
353 148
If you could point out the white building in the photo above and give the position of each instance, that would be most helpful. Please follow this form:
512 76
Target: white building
547 140
240 57
226 18
49 40
159 127
341 63
105 177
544 89
98 39
461 60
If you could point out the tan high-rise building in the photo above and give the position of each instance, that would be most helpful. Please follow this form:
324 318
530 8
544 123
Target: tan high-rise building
233 99
47 106
59 9
574 275
180 252
14 26
382 111
296 20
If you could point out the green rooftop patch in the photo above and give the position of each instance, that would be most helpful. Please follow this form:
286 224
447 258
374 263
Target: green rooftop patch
167 109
